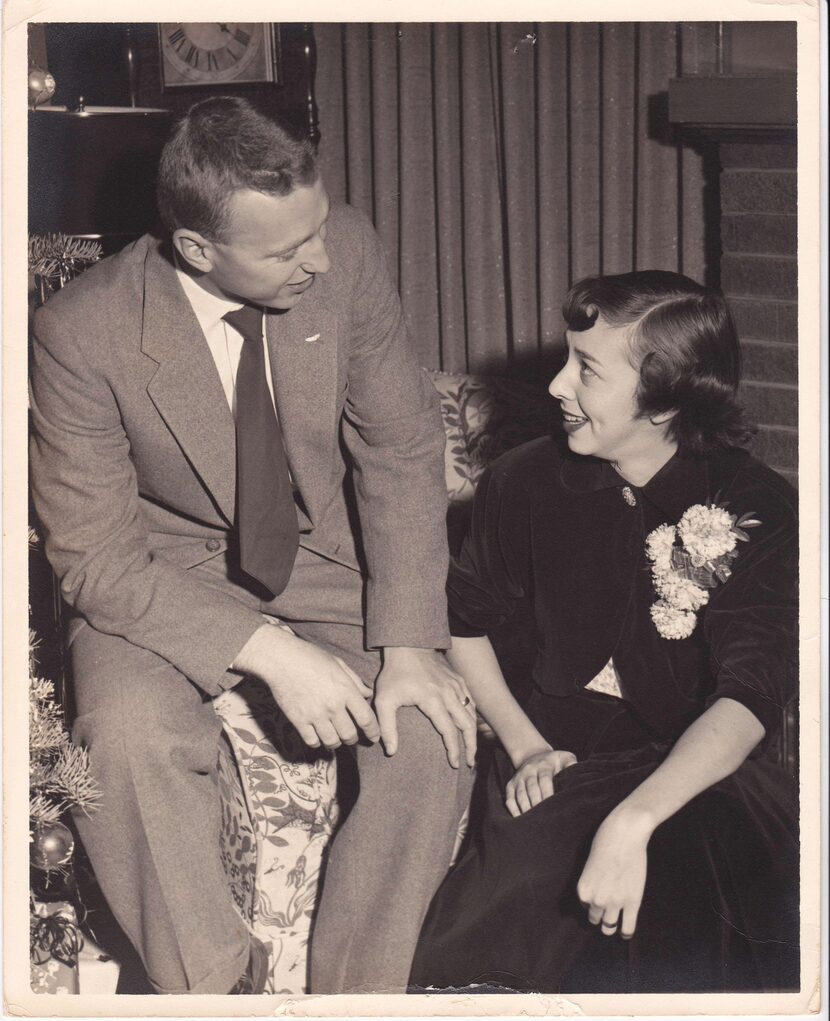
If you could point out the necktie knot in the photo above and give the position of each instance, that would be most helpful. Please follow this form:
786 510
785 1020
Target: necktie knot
247 320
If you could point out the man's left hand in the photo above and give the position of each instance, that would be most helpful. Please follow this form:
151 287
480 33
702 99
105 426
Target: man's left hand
423 678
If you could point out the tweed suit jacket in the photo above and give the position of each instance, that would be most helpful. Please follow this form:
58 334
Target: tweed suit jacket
133 452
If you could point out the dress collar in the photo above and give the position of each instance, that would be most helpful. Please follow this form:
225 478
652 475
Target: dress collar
210 309
681 482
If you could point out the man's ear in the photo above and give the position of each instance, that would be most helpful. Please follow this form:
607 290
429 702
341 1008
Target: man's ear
194 248
662 417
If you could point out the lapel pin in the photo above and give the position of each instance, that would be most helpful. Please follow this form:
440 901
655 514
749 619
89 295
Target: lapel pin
310 340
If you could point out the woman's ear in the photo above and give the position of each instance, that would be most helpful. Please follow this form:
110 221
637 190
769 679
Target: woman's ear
194 249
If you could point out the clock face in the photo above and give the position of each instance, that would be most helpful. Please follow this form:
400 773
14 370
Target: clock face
213 53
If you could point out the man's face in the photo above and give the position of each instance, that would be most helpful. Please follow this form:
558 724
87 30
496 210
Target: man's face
273 246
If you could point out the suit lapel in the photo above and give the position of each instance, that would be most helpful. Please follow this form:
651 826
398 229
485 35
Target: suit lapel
303 348
186 388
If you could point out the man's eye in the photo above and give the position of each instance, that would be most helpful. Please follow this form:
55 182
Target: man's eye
286 256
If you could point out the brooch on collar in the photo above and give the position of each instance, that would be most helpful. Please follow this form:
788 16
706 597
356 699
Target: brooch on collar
684 572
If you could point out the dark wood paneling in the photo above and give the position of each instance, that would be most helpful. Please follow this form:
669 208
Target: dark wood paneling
88 60
94 174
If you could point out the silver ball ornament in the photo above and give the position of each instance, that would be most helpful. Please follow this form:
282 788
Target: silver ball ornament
41 86
53 845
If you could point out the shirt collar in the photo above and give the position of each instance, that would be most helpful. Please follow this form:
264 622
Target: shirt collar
209 308
681 482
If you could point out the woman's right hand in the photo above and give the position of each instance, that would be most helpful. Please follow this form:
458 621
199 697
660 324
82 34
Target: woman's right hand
532 782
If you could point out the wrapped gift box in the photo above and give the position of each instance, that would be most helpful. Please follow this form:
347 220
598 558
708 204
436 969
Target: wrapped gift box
48 974
91 972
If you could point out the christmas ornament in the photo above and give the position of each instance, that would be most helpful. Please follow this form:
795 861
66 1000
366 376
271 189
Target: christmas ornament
52 846
41 86
55 258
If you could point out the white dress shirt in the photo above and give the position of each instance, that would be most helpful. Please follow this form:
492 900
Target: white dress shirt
225 342
607 681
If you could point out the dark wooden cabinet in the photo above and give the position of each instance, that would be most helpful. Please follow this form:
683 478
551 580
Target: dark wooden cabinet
120 65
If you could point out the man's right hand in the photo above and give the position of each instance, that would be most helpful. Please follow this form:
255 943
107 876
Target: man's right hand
324 699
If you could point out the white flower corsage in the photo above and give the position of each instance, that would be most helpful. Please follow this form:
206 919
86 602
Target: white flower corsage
684 572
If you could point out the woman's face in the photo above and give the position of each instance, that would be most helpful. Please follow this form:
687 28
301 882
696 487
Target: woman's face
596 392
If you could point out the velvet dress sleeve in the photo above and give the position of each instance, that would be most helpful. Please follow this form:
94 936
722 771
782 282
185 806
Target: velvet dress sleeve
751 622
491 573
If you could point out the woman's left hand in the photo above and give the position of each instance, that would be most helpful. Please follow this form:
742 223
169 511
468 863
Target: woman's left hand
532 782
612 882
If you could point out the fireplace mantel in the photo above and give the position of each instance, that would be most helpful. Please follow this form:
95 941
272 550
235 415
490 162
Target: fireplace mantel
735 106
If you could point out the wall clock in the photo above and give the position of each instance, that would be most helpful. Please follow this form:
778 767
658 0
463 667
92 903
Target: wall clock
221 53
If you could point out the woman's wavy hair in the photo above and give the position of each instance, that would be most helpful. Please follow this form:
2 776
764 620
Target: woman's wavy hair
220 146
684 343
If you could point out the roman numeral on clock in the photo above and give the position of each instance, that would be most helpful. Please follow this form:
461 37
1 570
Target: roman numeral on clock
192 56
177 39
242 37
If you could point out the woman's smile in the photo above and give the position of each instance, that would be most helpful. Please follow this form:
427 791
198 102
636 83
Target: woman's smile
572 422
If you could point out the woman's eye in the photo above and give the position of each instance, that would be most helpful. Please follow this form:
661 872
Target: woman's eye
585 369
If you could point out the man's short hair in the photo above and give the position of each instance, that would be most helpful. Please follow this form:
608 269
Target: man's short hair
684 343
220 146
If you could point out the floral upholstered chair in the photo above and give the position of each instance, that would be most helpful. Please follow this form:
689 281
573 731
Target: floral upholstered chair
279 809
279 800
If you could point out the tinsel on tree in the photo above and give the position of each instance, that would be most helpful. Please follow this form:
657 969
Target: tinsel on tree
56 258
59 776
59 772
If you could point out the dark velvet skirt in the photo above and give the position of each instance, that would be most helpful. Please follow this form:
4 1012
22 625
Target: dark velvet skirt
720 909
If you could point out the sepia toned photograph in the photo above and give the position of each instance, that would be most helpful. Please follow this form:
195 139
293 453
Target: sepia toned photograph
411 454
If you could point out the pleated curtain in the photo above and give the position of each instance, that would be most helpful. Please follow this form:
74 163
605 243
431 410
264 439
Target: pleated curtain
501 162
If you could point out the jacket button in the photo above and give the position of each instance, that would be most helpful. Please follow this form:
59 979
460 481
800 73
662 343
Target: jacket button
212 545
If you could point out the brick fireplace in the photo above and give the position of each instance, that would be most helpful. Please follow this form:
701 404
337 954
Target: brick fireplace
746 127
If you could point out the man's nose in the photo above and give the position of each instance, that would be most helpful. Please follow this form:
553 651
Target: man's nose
317 258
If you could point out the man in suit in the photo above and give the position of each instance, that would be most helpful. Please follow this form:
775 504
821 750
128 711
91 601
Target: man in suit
199 478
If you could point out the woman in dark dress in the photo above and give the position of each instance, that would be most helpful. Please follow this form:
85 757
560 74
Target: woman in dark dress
637 834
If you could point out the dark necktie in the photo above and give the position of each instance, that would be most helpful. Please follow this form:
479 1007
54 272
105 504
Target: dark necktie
266 515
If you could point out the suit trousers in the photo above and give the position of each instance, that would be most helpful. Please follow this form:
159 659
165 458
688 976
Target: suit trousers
153 740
